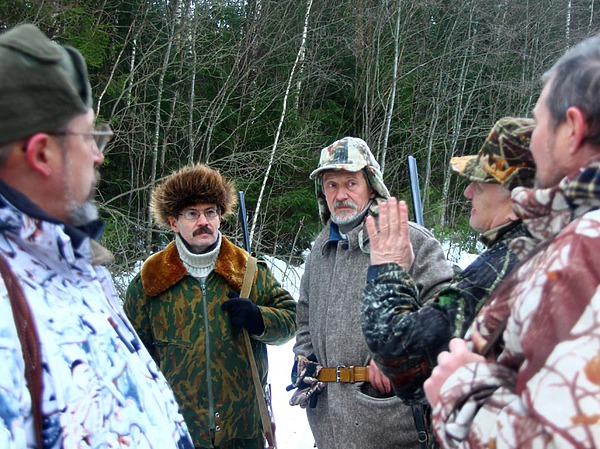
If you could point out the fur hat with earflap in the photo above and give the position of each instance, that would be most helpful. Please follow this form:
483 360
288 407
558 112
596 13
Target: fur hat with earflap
191 185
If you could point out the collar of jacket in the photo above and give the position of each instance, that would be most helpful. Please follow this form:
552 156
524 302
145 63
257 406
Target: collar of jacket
82 239
546 212
164 269
16 199
355 238
490 237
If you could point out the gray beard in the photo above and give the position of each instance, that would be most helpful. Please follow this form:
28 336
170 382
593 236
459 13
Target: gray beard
346 224
82 214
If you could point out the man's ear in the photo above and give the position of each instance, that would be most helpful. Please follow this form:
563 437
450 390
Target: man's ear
174 225
578 128
39 153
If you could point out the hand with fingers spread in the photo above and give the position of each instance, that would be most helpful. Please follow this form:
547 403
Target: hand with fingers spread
392 242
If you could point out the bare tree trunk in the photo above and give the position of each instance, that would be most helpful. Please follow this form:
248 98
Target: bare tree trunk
459 112
430 140
301 51
390 111
191 100
157 120
568 24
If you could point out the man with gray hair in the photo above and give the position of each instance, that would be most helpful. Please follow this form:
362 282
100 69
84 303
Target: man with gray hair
539 382
73 373
349 402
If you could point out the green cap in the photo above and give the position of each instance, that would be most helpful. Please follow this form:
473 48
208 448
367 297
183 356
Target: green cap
42 85
504 158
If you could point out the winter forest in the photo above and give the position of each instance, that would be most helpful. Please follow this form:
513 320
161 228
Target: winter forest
256 88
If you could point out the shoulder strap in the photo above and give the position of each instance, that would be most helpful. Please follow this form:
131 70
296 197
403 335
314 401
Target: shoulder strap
30 344
260 395
251 267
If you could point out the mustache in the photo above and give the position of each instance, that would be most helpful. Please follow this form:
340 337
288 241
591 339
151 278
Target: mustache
203 229
345 203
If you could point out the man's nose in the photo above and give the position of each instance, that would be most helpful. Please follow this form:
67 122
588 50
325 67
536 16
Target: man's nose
98 158
341 194
468 193
202 219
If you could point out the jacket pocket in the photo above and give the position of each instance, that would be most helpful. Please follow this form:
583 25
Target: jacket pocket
366 393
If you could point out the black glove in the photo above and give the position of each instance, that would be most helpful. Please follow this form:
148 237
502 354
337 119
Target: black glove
244 313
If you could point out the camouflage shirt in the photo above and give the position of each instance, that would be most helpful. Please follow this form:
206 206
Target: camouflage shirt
201 354
406 338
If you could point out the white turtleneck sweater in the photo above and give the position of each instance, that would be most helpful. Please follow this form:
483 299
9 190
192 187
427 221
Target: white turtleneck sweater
198 265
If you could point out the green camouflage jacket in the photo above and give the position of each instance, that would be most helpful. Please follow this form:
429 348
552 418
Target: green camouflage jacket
404 337
201 354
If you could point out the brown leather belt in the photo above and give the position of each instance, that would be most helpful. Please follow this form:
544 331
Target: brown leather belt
345 374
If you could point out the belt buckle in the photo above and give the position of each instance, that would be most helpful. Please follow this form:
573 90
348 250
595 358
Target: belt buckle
337 373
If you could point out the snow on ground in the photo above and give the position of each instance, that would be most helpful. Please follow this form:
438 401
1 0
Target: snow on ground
292 429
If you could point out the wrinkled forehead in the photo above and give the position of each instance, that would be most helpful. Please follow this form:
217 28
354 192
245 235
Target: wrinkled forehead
342 174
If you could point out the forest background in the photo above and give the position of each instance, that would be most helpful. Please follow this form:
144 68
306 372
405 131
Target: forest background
256 88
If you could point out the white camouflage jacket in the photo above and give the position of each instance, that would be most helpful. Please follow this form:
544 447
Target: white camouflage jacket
544 389
100 385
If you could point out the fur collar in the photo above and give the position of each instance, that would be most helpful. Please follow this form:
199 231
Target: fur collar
164 269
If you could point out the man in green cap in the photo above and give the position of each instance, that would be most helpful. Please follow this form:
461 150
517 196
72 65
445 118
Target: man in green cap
405 338
73 371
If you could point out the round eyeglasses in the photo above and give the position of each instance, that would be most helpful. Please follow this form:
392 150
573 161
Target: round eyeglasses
193 214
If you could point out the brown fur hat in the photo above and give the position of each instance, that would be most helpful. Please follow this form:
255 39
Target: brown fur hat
191 185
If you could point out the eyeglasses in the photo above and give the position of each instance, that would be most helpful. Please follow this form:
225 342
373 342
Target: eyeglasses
101 135
193 214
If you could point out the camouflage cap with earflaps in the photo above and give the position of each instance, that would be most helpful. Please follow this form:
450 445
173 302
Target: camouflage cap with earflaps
349 154
504 158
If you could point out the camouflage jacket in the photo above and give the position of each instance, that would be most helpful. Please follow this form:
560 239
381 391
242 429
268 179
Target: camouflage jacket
404 337
543 388
201 354
101 388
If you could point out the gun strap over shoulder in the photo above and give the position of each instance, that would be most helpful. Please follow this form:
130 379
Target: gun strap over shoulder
30 344
262 405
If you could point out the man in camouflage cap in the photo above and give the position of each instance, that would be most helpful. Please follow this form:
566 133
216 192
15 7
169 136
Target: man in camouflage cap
404 338
185 305
504 158
73 371
536 382
350 412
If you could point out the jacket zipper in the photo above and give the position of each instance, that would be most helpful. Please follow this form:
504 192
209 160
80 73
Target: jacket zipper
211 406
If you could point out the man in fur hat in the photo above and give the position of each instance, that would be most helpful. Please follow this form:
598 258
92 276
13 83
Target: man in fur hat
185 305
356 407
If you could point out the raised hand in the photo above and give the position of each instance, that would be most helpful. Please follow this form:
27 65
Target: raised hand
391 243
